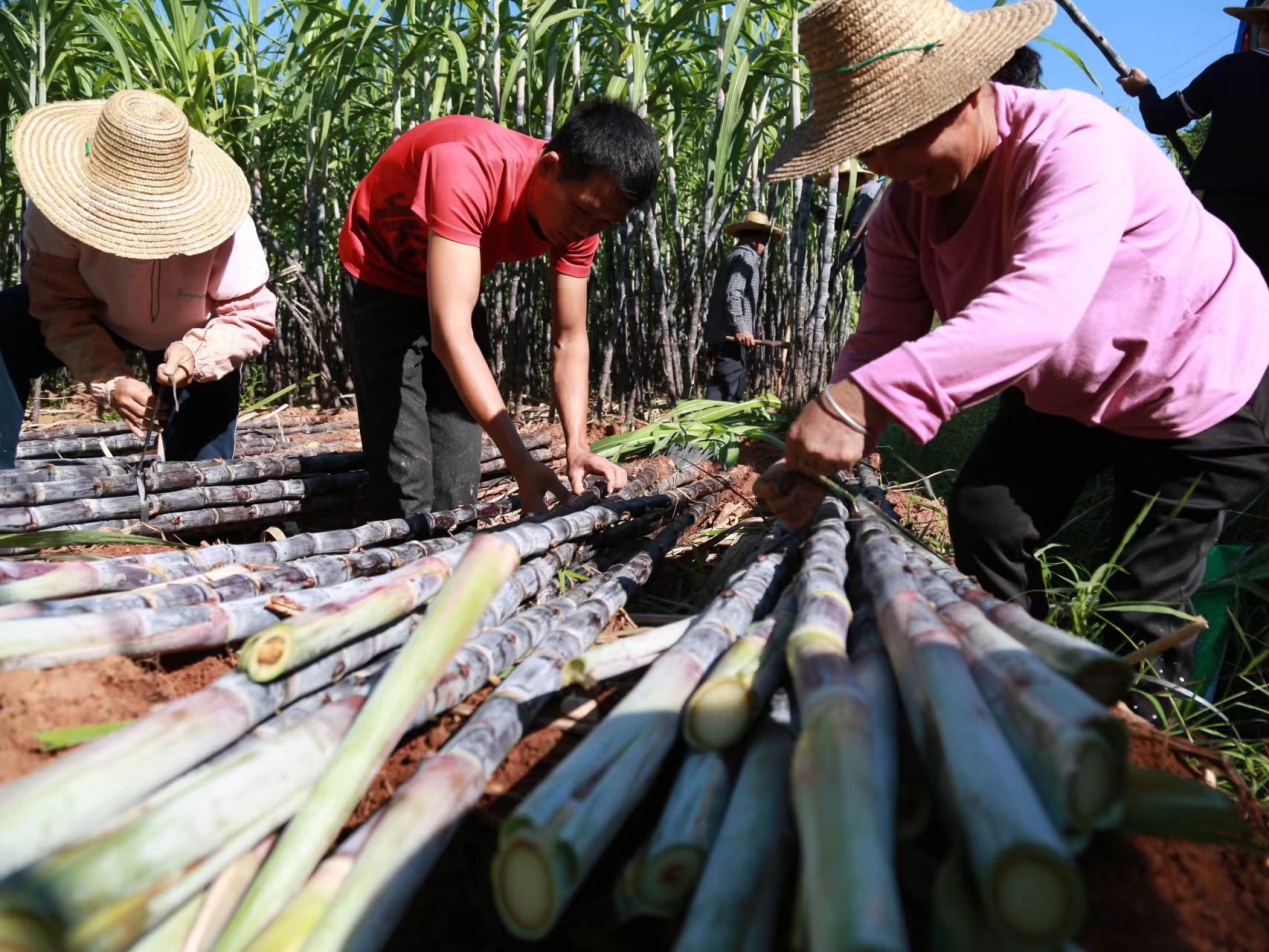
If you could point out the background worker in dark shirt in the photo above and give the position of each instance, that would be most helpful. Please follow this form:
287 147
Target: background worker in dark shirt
1229 174
734 304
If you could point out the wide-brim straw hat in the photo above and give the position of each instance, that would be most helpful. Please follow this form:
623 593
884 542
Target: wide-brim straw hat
1257 15
881 68
755 222
128 176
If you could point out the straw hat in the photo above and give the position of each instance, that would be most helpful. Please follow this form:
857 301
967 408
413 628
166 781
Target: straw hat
128 176
755 221
881 68
1256 15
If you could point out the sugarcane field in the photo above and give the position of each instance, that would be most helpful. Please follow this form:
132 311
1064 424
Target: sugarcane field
651 474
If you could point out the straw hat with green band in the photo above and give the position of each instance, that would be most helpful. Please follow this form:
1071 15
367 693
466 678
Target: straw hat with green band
128 176
881 68
1256 16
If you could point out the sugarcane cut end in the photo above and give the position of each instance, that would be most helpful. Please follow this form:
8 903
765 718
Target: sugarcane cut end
718 715
1036 896
669 878
1096 789
525 888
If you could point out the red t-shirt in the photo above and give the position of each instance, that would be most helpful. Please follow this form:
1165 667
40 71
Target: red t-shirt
462 177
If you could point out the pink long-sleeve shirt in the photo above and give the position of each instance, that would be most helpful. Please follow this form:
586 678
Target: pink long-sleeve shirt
1086 274
216 303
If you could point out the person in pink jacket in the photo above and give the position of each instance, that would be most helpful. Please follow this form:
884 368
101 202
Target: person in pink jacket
1034 245
137 239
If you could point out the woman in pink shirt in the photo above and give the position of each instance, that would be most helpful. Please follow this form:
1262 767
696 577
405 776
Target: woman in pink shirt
1067 268
137 238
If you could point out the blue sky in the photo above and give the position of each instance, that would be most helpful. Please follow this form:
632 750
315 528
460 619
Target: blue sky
1171 40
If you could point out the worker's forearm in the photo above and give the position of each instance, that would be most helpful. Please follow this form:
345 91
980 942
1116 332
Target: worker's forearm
571 377
475 384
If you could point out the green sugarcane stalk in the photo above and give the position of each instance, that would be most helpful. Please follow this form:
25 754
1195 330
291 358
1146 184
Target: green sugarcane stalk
843 803
417 823
1024 872
556 835
221 898
1161 804
1073 749
628 653
488 563
739 687
666 871
169 936
736 904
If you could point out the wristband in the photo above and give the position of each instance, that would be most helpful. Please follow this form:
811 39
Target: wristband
836 410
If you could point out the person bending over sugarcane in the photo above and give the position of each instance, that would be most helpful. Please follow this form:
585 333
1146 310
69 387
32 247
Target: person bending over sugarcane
1229 173
733 305
1074 274
137 239
447 202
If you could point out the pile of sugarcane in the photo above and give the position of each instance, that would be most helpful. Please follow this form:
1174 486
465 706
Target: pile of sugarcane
73 478
845 692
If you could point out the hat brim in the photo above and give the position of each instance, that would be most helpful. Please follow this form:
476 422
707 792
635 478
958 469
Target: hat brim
774 232
138 220
843 128
1252 15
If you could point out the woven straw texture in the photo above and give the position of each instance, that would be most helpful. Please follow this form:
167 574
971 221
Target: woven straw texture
755 221
893 93
1257 15
128 176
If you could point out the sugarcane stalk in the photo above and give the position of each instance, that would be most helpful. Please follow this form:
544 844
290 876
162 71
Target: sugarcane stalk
1024 872
556 835
417 823
497 464
1100 673
737 901
169 935
622 656
739 687
79 445
222 897
843 804
197 520
318 631
665 872
166 477
489 561
84 510
1073 749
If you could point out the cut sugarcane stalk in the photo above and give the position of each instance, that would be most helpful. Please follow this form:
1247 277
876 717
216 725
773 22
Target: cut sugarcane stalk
1160 804
1024 872
170 935
667 870
736 904
555 837
739 687
91 890
318 631
843 802
417 823
222 897
629 653
488 563
1074 750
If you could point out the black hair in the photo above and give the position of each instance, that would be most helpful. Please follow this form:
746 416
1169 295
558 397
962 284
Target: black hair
602 135
1023 69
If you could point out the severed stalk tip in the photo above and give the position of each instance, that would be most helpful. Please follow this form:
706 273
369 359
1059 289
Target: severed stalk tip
1038 899
524 883
718 715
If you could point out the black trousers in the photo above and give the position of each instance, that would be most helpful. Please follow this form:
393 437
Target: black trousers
727 382
204 427
1247 215
422 445
1023 477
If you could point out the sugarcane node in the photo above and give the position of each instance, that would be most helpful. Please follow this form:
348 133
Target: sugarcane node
281 605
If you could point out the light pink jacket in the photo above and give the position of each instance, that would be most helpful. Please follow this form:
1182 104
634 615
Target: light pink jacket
1086 275
216 303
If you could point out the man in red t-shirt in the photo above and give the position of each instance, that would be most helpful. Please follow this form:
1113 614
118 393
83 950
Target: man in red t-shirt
446 203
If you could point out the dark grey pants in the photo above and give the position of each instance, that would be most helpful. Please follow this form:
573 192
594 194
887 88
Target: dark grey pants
728 379
1025 474
422 445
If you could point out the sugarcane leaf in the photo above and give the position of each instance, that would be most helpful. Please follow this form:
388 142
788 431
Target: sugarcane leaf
55 538
59 738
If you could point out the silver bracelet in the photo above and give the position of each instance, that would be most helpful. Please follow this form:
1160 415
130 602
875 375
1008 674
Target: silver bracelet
835 408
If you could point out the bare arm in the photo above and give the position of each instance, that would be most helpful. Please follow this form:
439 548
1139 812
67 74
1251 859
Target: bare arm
571 377
450 302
